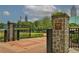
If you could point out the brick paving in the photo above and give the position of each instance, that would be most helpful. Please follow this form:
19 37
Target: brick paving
29 45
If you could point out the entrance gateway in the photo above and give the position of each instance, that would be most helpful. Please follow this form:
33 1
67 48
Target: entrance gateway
12 32
9 33
62 37
58 40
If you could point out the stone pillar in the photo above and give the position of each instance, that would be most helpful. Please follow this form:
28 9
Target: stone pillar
60 32
10 31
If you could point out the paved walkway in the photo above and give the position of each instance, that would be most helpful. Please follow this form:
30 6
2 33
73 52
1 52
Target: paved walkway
74 50
30 45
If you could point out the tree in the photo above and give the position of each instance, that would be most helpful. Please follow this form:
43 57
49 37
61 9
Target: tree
73 25
28 24
43 24
1 25
40 25
47 23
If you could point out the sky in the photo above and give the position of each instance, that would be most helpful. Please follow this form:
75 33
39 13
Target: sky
33 12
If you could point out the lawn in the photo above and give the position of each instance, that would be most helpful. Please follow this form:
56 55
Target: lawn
32 35
23 35
1 35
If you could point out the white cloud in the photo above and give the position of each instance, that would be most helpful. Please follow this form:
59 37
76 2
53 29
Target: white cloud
39 10
33 19
6 13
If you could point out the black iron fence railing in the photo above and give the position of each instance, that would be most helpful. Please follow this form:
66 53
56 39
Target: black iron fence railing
74 37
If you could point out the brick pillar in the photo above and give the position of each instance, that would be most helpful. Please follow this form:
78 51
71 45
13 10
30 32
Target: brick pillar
60 33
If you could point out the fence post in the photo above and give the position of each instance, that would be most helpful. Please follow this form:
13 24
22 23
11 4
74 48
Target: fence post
30 33
5 35
78 37
17 34
13 32
69 39
49 41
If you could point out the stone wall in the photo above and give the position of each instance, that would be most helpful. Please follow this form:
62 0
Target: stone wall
60 34
10 32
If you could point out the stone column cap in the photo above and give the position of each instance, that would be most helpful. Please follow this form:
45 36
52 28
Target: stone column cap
59 14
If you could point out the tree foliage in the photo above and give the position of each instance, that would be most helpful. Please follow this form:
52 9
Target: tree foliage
73 25
1 25
36 26
43 24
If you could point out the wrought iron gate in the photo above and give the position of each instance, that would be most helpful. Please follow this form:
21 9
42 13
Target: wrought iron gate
74 37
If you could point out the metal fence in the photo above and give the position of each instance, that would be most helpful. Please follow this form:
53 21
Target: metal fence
3 35
74 37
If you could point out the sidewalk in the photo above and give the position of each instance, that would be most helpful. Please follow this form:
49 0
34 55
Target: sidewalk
29 45
72 50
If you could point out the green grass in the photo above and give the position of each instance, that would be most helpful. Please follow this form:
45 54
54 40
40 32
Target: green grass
1 35
33 35
22 28
23 35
